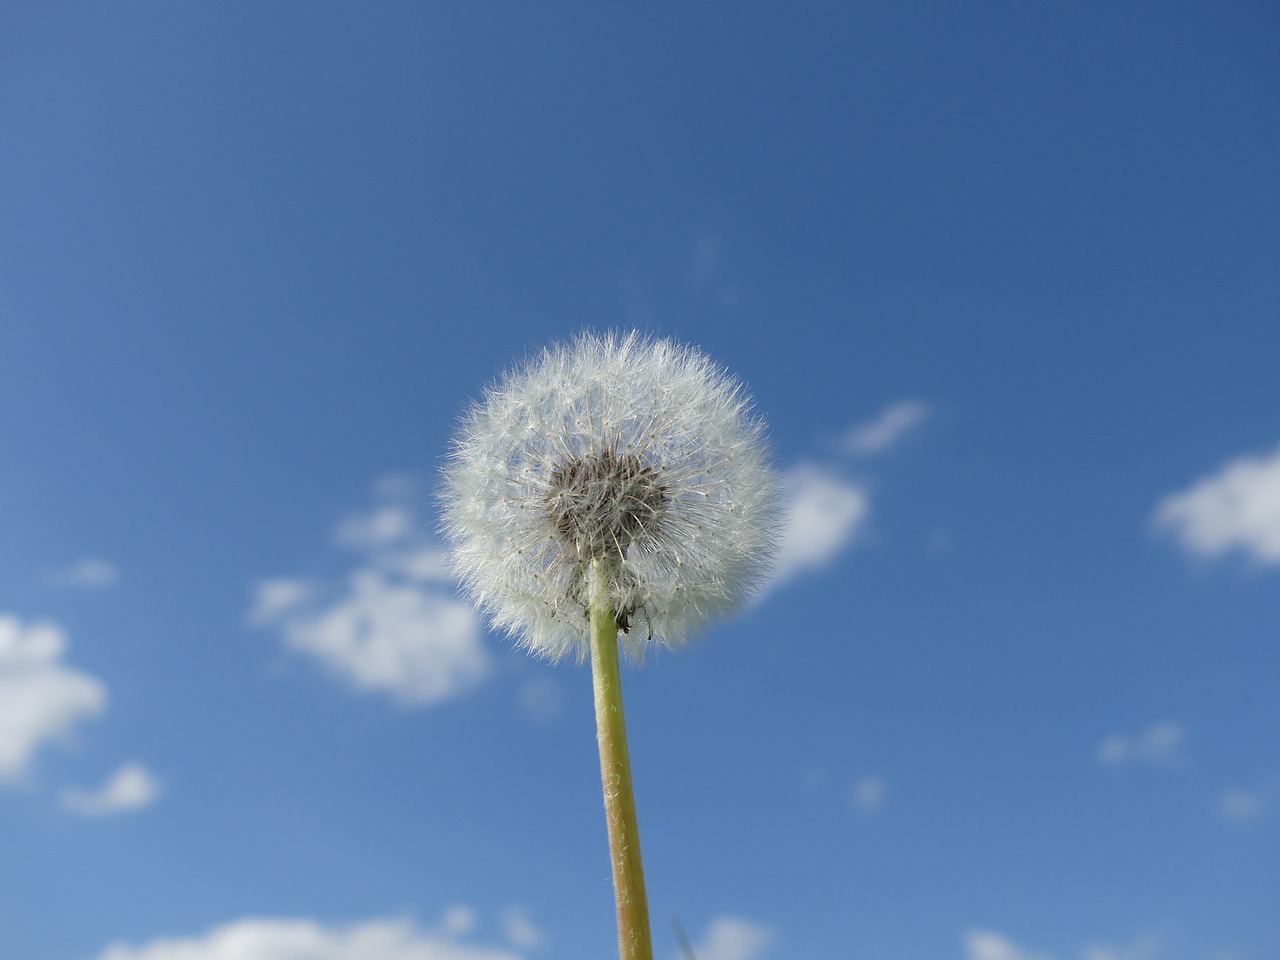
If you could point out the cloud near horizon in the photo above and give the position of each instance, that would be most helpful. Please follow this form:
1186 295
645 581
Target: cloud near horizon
40 698
734 938
1236 508
305 939
992 945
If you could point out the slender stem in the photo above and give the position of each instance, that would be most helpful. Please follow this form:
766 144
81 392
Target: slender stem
634 941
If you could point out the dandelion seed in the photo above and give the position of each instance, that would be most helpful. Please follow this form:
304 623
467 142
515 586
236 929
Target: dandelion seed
636 452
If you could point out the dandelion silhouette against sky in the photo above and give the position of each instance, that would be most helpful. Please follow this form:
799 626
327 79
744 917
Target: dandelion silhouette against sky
607 482
619 447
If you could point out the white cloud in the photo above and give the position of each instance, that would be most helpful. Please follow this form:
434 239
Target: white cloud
878 435
1237 508
824 514
868 793
418 646
1159 744
40 699
420 564
459 919
990 945
389 524
283 939
90 573
733 938
520 930
131 787
1241 805
395 626
275 599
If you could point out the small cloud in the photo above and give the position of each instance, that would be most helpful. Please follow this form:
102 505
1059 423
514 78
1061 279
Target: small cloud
519 930
375 530
1236 508
876 436
824 514
990 945
420 647
304 939
1240 805
1159 744
276 599
421 564
88 573
733 938
458 919
131 787
868 794
394 626
40 698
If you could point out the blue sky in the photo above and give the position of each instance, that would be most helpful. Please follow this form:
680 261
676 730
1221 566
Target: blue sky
1003 282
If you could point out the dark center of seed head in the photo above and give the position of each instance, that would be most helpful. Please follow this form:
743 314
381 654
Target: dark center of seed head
603 502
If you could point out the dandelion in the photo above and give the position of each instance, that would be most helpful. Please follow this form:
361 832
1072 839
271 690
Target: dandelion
614 485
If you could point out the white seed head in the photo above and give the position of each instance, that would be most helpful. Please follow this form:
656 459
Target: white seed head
636 452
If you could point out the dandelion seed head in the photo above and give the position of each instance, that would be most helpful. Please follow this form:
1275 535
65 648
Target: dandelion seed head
634 451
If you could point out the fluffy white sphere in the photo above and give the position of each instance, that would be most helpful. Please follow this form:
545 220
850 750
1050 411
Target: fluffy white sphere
636 451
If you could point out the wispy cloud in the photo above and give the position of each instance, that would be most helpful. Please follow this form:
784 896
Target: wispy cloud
868 793
394 626
131 787
87 573
1240 804
276 599
519 929
1236 508
825 512
459 919
879 434
378 529
1245 804
990 945
40 698
734 938
1158 744
384 939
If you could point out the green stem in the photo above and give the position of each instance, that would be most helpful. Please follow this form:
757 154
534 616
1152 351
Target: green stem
634 941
